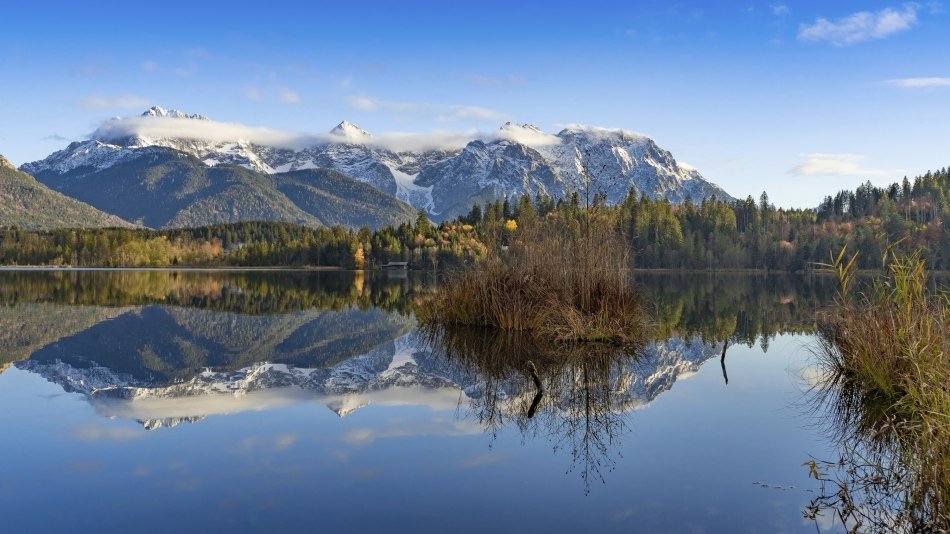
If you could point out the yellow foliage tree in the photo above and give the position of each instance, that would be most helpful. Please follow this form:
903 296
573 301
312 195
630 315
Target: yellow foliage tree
359 259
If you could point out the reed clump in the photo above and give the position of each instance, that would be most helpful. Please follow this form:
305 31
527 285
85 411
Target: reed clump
563 279
887 349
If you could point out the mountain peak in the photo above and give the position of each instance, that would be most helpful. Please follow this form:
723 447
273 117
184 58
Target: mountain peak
599 133
350 131
513 126
158 111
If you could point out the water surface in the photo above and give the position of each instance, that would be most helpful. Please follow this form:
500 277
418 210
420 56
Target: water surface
310 401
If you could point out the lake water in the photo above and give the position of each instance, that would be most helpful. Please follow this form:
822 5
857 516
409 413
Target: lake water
261 401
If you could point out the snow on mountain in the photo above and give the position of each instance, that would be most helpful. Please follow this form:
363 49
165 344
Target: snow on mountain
90 155
351 133
158 111
514 160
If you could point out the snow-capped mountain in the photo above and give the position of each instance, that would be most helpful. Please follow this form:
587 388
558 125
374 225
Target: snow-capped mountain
158 111
514 160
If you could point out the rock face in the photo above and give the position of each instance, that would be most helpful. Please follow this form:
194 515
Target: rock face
515 160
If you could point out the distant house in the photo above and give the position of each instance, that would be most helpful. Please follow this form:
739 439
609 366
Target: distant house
397 265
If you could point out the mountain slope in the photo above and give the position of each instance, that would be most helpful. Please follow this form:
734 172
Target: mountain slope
165 188
26 203
336 199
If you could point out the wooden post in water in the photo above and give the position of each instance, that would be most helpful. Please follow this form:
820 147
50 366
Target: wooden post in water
535 377
722 361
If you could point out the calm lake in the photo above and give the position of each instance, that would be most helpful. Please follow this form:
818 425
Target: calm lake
266 401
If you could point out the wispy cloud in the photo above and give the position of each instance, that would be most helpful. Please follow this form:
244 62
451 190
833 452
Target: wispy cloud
103 433
822 164
88 70
288 96
779 10
436 427
861 26
920 83
198 53
114 102
280 94
217 131
414 110
149 66
253 93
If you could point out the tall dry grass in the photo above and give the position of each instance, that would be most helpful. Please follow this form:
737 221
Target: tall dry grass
888 348
564 279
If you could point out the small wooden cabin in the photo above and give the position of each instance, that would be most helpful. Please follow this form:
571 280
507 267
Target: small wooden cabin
396 265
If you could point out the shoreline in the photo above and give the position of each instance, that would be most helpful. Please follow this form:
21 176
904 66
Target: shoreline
763 272
196 269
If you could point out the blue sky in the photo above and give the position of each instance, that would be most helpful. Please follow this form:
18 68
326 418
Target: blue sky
799 99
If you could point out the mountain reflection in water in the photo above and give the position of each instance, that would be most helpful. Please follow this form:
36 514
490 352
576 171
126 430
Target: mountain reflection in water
167 347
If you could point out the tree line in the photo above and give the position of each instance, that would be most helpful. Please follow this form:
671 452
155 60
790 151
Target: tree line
711 234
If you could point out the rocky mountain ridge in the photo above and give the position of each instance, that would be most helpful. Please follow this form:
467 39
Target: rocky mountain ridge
445 181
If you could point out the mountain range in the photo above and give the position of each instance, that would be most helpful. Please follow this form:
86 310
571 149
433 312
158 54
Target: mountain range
167 168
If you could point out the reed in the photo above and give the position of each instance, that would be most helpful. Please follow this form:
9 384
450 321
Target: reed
887 349
566 280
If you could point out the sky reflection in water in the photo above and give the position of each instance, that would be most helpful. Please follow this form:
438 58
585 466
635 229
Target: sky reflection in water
304 401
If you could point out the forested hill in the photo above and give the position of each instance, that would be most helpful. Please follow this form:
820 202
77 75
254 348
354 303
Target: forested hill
26 203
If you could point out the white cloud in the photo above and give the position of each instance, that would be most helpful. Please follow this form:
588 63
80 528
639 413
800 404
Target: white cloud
149 66
289 96
439 112
115 102
362 103
861 26
222 132
201 130
439 139
526 135
821 164
780 10
920 83
253 93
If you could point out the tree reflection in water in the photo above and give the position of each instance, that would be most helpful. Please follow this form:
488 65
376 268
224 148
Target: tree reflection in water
574 395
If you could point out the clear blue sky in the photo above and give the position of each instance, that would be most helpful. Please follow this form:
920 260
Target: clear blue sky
796 98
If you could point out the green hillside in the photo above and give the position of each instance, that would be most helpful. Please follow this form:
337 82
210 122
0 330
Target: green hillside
336 199
26 203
